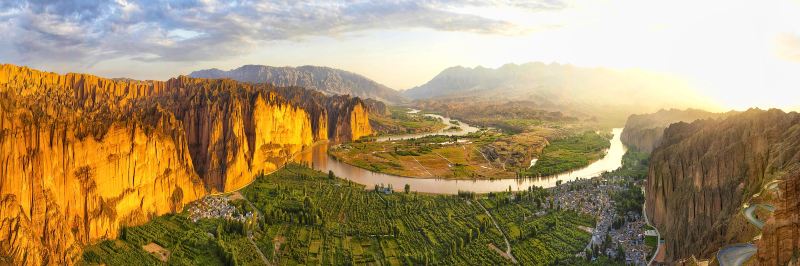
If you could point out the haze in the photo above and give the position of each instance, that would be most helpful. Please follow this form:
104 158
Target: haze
738 53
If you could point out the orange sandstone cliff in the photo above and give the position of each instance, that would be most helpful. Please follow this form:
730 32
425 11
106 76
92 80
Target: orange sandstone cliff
82 156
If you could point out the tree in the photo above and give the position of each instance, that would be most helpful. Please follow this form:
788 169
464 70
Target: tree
331 175
407 188
620 253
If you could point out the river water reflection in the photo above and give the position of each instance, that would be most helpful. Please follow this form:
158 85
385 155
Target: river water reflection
320 160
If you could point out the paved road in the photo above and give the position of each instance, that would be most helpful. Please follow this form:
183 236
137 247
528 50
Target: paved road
508 245
738 254
749 214
735 255
647 221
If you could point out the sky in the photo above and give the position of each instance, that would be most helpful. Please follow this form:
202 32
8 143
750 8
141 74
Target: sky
739 53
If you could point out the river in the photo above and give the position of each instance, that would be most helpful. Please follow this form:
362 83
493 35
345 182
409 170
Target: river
320 160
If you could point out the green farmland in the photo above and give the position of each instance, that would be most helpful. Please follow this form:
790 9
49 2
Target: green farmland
309 218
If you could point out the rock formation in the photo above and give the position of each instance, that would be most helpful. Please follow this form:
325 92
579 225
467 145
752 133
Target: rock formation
644 132
703 172
327 80
780 242
83 156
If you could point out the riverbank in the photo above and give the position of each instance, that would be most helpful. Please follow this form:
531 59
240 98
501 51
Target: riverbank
319 159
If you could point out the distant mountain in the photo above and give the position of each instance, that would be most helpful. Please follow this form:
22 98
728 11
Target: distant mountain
563 87
329 81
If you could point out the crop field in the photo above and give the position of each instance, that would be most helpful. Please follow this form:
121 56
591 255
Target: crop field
399 121
308 218
428 157
571 152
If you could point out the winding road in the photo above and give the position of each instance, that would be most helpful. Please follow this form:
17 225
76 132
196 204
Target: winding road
738 254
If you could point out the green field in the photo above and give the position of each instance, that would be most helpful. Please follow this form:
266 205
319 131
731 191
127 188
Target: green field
431 156
634 165
311 219
570 152
399 121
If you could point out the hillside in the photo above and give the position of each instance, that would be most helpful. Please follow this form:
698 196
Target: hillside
84 156
704 172
644 132
585 92
327 80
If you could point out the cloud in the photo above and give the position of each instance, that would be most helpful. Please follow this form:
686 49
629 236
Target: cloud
788 47
90 31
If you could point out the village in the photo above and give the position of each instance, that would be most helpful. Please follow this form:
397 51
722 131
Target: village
211 207
594 197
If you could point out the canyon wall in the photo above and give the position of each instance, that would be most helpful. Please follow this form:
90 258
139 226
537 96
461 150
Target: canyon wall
644 132
83 156
702 174
780 241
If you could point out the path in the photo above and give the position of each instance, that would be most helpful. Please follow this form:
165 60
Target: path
448 160
237 194
484 157
263 258
508 244
423 167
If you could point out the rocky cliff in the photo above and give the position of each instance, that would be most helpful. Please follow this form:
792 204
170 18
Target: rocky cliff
644 132
83 156
702 174
780 242
327 80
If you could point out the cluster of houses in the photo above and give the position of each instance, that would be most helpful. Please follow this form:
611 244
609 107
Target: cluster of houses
216 207
594 197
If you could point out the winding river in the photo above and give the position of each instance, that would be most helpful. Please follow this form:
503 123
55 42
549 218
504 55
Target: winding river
320 160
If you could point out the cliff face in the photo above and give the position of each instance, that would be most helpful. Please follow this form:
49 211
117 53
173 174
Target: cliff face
704 172
353 120
83 156
644 132
780 242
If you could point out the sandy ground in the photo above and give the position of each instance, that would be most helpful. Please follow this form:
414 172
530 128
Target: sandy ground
158 251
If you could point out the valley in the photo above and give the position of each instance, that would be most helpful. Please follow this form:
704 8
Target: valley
458 150
374 133
310 217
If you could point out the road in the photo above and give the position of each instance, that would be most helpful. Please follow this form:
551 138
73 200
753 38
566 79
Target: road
508 244
263 258
647 221
249 233
749 214
736 254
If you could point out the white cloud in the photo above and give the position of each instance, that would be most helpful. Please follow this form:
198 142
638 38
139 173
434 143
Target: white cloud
90 31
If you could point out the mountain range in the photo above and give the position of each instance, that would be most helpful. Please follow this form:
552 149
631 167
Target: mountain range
563 87
327 80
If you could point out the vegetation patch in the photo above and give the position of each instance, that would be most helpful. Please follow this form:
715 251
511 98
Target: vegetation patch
400 121
571 152
309 218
